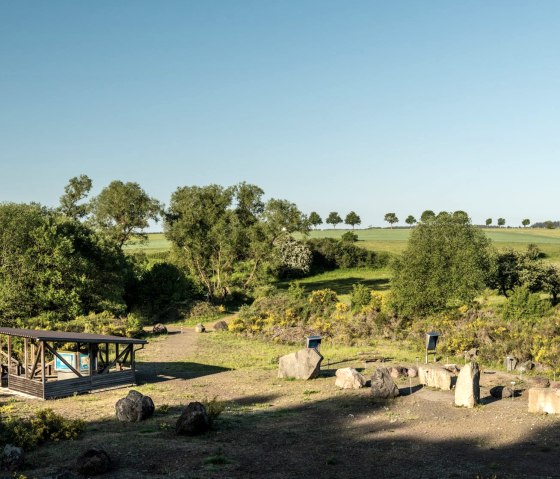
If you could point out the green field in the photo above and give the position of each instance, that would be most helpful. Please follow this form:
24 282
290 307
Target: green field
395 240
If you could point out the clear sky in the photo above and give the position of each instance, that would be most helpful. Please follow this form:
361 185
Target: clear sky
372 106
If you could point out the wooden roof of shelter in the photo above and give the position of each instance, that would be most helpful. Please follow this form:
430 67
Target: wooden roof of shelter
68 337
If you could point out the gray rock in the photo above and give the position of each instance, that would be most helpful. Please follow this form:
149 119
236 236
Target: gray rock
135 407
554 384
412 372
13 457
93 462
452 368
471 354
303 364
397 372
510 363
199 328
501 392
539 382
193 420
349 378
159 329
382 385
221 326
467 389
435 377
525 366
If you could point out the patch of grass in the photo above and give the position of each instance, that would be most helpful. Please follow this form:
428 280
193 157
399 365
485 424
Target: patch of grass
308 392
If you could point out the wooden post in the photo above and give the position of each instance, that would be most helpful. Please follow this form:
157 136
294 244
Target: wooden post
42 346
91 361
106 353
25 341
9 354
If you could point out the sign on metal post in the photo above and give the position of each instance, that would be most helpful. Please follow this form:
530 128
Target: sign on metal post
431 343
313 342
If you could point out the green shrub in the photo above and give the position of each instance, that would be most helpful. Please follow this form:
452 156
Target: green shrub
44 426
525 306
361 296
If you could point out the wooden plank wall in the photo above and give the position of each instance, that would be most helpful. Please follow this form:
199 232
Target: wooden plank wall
27 386
67 387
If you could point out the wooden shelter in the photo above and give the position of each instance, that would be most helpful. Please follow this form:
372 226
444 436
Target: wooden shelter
51 364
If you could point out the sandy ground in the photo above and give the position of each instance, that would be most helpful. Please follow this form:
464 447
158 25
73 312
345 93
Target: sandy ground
275 428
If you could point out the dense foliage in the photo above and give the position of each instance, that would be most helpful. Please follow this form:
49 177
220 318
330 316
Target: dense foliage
55 265
446 262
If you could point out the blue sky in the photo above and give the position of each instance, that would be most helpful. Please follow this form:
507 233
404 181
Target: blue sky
372 106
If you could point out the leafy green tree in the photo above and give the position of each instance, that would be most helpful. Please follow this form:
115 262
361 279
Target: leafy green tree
427 215
352 219
123 210
222 248
333 219
391 218
445 263
52 265
314 219
75 191
526 222
501 222
410 220
549 225
488 221
349 237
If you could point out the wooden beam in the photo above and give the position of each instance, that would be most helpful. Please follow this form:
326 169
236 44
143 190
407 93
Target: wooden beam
111 364
9 353
25 342
34 367
42 346
75 371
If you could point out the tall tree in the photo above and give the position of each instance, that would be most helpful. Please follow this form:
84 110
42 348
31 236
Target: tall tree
352 219
526 222
333 219
391 218
501 222
410 220
427 215
123 210
488 221
445 263
75 191
219 246
53 265
314 219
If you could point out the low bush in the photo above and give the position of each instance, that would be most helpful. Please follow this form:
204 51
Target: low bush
45 425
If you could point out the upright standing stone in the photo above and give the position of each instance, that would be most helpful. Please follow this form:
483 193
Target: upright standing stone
382 385
467 389
544 400
303 364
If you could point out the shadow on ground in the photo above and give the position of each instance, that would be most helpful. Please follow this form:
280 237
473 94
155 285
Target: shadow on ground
344 285
152 372
347 436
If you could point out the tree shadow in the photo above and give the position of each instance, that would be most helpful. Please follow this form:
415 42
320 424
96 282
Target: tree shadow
153 372
343 436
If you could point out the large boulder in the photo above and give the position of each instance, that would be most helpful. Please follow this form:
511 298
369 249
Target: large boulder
435 377
501 392
349 378
382 385
544 400
467 389
93 462
398 371
159 329
412 372
193 420
221 326
13 458
303 364
538 382
134 407
525 366
199 328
